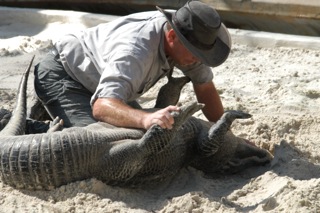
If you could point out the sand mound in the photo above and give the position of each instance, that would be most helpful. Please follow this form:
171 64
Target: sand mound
278 85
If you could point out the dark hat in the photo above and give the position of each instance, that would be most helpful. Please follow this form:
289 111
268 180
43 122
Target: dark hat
199 28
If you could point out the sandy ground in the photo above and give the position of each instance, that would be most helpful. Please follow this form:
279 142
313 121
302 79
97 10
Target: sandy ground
279 86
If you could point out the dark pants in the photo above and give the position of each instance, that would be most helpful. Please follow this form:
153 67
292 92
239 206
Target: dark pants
60 94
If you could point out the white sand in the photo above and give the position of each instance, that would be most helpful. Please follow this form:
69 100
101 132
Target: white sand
279 86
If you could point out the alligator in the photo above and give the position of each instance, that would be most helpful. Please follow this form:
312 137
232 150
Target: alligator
121 156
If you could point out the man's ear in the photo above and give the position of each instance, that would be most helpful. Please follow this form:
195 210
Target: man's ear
171 35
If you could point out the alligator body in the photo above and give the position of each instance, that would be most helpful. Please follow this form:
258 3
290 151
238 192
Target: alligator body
121 156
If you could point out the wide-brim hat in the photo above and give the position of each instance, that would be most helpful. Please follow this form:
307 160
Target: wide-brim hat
199 28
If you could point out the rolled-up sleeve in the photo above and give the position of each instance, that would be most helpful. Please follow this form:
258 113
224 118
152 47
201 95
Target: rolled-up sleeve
198 73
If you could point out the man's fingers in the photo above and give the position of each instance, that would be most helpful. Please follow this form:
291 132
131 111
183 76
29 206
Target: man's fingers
164 118
165 121
168 118
161 124
172 108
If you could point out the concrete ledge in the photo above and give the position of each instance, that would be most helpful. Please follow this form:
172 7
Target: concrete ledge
251 38
269 40
293 8
287 8
298 17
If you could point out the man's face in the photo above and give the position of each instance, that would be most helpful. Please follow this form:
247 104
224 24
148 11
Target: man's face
178 52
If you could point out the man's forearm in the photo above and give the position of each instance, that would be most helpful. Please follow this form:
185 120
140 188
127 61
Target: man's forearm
208 95
117 113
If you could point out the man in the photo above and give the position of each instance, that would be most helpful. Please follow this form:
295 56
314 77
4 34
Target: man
97 74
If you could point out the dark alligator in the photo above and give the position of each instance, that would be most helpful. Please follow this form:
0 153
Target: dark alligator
121 156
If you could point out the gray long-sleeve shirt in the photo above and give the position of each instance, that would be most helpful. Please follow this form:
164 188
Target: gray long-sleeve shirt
123 58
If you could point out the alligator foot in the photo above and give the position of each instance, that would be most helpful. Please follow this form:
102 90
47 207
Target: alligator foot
55 125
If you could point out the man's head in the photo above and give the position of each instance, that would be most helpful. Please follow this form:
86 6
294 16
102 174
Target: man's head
175 49
201 33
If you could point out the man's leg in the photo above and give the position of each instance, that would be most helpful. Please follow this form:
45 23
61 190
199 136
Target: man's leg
60 94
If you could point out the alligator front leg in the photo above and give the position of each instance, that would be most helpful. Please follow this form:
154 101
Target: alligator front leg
127 157
169 93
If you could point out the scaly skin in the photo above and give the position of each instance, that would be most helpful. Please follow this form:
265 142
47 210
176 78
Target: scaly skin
169 93
121 156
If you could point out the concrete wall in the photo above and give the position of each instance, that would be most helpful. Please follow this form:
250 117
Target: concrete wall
298 17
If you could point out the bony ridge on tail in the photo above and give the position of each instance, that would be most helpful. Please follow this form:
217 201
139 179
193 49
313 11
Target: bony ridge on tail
121 156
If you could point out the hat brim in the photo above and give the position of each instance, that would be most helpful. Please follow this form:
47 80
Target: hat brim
212 57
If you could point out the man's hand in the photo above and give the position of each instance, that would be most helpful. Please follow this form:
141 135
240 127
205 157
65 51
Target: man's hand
117 113
161 117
